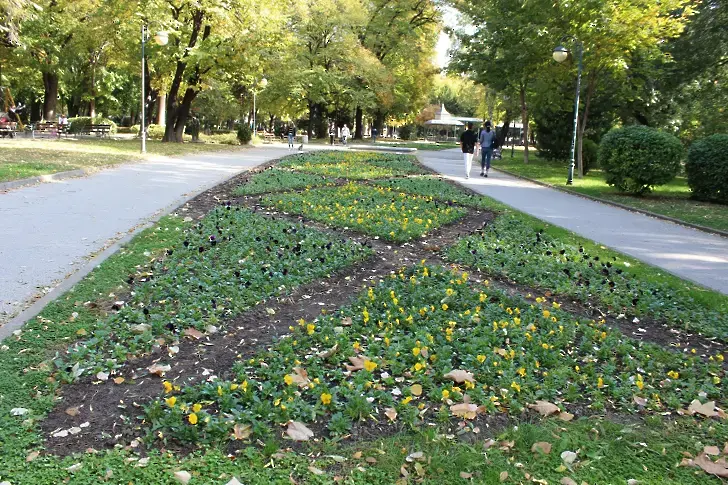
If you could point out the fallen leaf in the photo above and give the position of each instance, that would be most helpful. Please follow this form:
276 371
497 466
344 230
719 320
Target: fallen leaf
371 460
315 470
391 413
507 445
159 369
541 446
565 416
234 481
707 409
141 328
143 462
300 377
488 444
298 431
568 457
357 364
270 311
74 468
356 455
567 481
711 450
416 456
466 475
640 401
240 432
119 380
328 353
346 321
632 481
544 408
182 477
717 469
420 469
403 471
416 390
464 410
194 333
337 458
32 456
102 376
73 411
459 376
18 411
503 476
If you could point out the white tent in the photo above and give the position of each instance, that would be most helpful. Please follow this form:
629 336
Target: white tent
443 119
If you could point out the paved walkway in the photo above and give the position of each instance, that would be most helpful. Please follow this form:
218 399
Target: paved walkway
49 229
685 252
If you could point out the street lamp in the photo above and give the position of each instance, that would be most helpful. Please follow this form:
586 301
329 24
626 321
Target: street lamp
560 54
160 38
262 83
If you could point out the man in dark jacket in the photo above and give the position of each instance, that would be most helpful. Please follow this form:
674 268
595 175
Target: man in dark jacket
467 143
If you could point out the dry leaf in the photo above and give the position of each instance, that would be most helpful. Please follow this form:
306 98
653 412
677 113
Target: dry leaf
194 333
711 450
416 456
567 481
315 470
503 476
416 390
544 408
466 475
159 369
300 377
240 432
707 409
356 455
568 457
507 445
488 444
565 416
328 353
102 376
464 410
346 321
420 469
73 411
640 401
182 477
298 431
717 469
371 460
234 481
119 380
32 456
459 376
541 446
357 364
391 413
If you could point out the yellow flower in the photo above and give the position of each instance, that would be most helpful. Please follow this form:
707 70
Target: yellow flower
171 401
719 357
356 346
418 366
546 313
545 346
244 385
469 385
167 386
600 382
540 299
445 307
326 398
577 368
483 297
522 371
310 328
219 390
416 351
233 387
716 380
192 418
288 379
386 341
365 314
556 305
516 386
481 358
449 292
407 400
673 375
370 365
445 394
196 408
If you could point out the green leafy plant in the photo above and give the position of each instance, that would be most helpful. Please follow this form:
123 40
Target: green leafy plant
244 134
276 180
707 168
637 158
78 124
353 165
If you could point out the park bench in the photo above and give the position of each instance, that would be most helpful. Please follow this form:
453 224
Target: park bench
8 129
268 137
98 130
45 129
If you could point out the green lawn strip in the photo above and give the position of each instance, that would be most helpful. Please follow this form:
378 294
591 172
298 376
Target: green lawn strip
607 453
394 348
276 180
670 200
229 262
23 158
26 358
533 253
372 210
352 165
437 188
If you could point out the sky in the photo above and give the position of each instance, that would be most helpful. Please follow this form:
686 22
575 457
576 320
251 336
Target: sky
450 18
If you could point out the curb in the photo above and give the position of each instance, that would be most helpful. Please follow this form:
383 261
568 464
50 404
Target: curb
710 230
19 320
52 177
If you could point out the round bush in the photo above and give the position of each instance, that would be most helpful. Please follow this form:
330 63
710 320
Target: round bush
76 125
637 158
154 132
244 134
707 168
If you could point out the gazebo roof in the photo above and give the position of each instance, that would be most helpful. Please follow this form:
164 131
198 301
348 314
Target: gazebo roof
443 118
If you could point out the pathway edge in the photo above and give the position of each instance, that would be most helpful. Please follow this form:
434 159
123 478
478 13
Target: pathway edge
51 177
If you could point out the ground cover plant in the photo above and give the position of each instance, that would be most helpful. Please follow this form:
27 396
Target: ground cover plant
516 248
276 180
428 345
228 262
352 165
437 188
375 211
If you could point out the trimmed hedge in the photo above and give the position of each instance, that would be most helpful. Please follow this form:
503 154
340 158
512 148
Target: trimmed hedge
76 125
707 168
244 134
637 158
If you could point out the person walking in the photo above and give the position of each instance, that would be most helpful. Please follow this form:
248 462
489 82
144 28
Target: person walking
487 143
291 136
345 134
467 144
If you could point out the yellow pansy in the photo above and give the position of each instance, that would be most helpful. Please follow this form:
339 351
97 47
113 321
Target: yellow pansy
192 418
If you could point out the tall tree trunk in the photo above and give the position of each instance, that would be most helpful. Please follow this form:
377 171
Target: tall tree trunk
183 112
503 135
323 123
311 115
359 130
92 102
271 119
50 95
591 86
161 109
379 123
524 120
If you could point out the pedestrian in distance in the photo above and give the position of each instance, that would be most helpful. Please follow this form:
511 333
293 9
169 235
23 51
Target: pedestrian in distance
487 144
375 132
345 134
467 144
291 136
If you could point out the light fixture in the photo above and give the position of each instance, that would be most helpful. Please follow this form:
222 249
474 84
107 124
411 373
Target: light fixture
162 37
561 53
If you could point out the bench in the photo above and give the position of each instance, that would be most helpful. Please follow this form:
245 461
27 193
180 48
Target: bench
98 130
46 129
268 138
8 129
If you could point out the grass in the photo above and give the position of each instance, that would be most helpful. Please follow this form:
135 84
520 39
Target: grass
672 200
23 158
276 180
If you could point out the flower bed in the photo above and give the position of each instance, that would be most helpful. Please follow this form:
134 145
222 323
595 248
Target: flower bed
352 165
277 180
375 211
437 188
429 345
520 251
229 262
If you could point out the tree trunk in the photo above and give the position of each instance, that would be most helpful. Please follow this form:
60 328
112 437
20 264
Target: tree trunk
50 95
359 130
503 135
379 123
183 112
271 120
524 120
311 114
161 109
322 127
591 86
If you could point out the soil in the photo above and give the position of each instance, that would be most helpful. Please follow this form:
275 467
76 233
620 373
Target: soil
110 413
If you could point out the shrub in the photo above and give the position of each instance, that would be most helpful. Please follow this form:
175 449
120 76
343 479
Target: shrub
589 154
406 132
244 134
154 132
637 158
707 168
229 138
76 125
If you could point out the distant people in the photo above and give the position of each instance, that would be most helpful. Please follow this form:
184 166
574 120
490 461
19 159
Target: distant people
487 143
345 133
375 132
291 136
13 114
467 144
332 134
63 121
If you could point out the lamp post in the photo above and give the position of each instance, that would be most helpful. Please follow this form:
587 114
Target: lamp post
560 54
262 83
160 38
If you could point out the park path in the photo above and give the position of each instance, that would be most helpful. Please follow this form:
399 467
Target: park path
685 252
49 230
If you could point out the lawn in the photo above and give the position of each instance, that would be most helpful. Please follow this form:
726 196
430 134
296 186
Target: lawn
23 158
252 345
672 200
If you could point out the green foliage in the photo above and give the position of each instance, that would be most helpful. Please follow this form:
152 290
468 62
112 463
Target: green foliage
637 158
707 168
407 132
438 189
244 134
353 165
520 250
276 180
590 154
77 125
221 138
